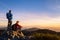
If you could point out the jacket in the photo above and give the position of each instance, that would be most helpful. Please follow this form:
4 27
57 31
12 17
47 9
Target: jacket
9 16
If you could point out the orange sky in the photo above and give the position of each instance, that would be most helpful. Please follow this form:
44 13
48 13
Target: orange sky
42 22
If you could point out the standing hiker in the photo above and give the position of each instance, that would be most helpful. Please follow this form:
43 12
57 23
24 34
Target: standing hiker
9 17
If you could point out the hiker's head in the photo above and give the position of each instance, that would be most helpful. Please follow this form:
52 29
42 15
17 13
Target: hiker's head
17 22
9 11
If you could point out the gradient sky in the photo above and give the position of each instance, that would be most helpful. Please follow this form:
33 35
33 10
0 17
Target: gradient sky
32 13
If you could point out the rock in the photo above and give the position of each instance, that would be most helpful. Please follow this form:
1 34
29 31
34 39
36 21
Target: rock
12 35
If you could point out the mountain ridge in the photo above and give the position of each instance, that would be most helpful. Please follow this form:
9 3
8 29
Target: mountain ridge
33 30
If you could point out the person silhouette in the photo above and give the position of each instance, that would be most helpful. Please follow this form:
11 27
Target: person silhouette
16 26
9 17
16 30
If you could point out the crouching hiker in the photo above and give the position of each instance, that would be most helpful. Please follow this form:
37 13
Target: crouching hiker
16 26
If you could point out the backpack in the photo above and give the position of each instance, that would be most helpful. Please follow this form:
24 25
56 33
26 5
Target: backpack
14 28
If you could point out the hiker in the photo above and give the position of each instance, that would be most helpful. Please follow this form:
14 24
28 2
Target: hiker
16 30
16 26
9 17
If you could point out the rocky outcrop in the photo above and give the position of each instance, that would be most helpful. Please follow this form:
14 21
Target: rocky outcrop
12 35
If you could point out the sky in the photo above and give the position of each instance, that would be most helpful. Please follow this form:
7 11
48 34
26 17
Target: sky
43 14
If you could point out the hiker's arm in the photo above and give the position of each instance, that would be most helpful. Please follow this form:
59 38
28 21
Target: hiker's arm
20 26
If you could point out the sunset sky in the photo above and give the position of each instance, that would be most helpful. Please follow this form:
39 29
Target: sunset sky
32 13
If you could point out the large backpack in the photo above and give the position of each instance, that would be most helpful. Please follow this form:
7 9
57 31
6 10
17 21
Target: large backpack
14 28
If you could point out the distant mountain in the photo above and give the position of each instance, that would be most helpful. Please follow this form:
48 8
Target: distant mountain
37 30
